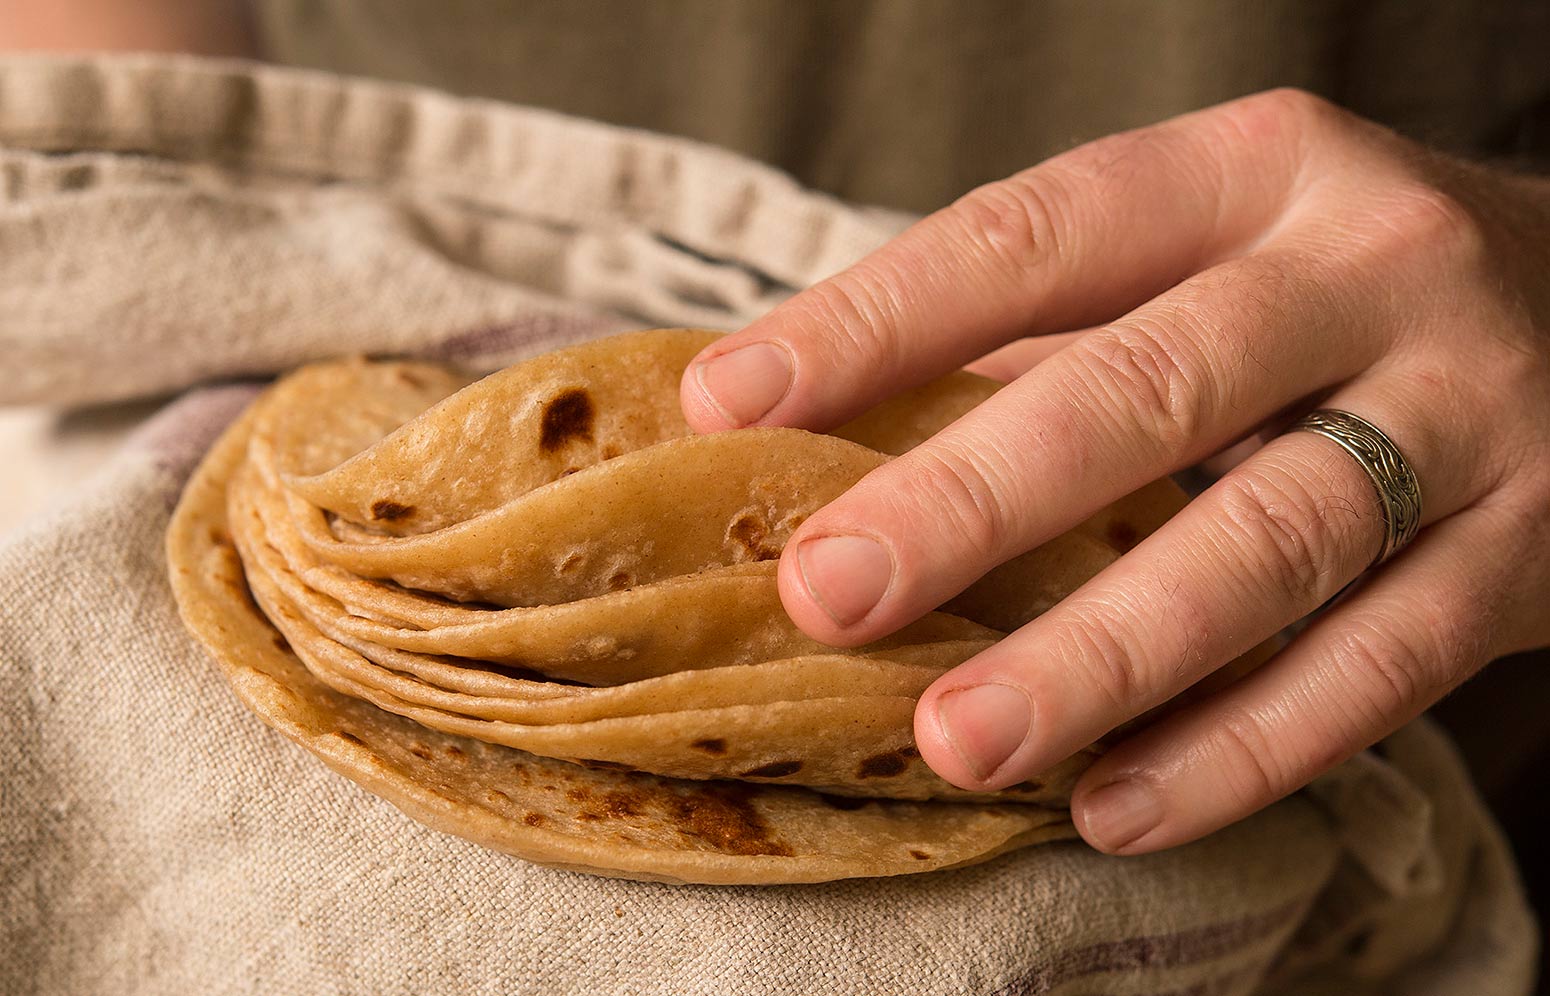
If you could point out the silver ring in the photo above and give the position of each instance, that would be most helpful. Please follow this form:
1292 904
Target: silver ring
1399 494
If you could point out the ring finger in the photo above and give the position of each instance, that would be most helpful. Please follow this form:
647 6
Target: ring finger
1269 543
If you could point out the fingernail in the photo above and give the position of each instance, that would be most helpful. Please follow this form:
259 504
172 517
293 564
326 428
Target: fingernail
847 575
747 382
1120 813
985 724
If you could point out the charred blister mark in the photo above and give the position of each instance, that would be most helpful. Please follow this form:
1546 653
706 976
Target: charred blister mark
385 510
725 819
497 797
453 750
420 751
711 745
909 752
885 765
534 819
919 855
620 580
567 416
622 804
349 738
749 533
775 769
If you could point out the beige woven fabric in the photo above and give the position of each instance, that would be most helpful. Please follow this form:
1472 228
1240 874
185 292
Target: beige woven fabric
166 223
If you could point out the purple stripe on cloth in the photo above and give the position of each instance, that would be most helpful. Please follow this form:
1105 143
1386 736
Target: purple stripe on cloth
178 436
1155 951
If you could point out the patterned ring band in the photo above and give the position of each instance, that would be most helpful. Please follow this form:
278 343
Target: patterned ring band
1399 495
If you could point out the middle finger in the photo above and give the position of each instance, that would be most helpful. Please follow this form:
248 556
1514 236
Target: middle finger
1162 388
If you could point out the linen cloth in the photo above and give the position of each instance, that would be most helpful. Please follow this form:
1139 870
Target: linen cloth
182 228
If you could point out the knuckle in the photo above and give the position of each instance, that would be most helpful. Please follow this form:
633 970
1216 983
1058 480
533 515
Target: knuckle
850 311
1018 221
1248 761
1106 662
1145 369
1284 113
1421 217
1284 531
965 493
1388 675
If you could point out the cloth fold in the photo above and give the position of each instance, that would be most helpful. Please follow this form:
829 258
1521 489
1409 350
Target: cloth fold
166 223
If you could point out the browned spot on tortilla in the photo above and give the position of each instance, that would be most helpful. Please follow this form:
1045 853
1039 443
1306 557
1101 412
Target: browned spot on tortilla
570 563
909 751
408 378
496 795
219 538
623 803
453 750
567 416
533 819
882 765
724 818
389 511
919 855
588 816
842 802
750 533
577 794
349 738
1122 535
713 745
775 769
619 581
420 751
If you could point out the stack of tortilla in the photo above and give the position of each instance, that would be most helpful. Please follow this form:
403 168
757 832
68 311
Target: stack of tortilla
536 611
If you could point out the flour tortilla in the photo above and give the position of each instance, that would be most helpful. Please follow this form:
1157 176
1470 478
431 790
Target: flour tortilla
546 563
620 824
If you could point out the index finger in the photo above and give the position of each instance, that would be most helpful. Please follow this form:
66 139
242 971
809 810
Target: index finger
1073 242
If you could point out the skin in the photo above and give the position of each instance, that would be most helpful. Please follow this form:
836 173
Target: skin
1159 299
204 27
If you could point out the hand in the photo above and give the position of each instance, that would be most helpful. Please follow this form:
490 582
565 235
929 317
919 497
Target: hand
1228 267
